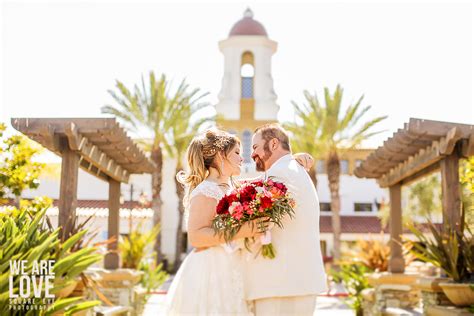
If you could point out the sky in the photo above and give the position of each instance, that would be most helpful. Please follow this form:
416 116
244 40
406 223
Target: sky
408 59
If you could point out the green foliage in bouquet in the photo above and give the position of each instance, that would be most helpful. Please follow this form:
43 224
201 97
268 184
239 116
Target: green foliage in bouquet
354 278
25 235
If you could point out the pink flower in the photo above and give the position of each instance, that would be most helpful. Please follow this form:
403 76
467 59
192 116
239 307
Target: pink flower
235 207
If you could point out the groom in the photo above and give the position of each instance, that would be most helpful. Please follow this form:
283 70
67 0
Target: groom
289 283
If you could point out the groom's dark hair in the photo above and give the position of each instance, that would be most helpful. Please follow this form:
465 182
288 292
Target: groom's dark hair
274 130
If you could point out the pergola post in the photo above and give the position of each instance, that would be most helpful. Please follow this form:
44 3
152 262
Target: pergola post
68 191
397 263
451 189
112 258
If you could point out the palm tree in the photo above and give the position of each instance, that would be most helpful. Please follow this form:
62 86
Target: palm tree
332 134
153 108
306 131
180 136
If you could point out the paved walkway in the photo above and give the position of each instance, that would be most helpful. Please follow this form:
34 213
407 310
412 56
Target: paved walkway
325 305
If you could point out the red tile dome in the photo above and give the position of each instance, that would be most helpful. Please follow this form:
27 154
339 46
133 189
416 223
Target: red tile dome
248 26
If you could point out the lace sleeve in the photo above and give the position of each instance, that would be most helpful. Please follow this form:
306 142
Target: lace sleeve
208 189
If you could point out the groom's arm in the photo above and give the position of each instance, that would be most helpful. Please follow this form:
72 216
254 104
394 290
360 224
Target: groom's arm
282 174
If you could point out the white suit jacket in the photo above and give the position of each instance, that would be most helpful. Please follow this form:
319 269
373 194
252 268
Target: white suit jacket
298 268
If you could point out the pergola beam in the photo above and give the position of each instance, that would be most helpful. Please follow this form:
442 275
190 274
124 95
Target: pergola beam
100 147
422 159
436 128
94 155
420 148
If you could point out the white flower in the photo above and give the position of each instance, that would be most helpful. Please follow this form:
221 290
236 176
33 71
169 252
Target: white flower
259 189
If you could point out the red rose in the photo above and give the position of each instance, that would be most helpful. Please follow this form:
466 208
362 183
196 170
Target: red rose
248 193
266 202
232 198
258 183
223 206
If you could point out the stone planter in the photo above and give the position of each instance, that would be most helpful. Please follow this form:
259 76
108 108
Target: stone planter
460 294
392 290
118 286
368 301
431 293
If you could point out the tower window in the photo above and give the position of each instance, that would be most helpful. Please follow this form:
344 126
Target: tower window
247 74
247 88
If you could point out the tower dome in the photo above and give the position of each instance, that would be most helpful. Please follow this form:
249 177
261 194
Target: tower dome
248 26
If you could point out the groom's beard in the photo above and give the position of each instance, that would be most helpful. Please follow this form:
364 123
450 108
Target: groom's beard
260 162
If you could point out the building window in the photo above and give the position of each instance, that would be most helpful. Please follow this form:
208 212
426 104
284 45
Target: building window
358 162
247 146
320 167
362 207
325 207
344 167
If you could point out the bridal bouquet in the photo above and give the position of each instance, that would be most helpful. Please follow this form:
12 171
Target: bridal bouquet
262 199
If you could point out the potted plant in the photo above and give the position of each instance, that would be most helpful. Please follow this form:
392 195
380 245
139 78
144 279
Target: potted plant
452 250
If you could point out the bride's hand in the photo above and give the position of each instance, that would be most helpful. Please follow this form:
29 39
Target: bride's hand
304 159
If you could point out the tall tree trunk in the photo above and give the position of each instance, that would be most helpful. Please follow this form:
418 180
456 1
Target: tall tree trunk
156 203
314 177
179 230
333 168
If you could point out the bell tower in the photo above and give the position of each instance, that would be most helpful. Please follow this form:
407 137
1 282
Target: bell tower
247 98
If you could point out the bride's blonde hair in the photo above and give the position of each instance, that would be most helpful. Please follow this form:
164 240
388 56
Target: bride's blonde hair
201 155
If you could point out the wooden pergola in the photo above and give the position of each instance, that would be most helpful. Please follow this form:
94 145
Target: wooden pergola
100 147
420 148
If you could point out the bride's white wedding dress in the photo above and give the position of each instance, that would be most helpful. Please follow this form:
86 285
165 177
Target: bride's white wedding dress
209 282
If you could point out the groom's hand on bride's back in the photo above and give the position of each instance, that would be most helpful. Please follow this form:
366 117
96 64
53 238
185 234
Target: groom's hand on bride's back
304 159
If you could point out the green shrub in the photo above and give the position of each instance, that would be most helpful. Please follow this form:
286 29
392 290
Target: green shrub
25 235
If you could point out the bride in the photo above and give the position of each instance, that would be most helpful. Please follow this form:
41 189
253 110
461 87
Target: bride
209 281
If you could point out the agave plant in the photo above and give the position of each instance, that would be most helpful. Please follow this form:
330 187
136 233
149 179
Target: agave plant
450 249
25 235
